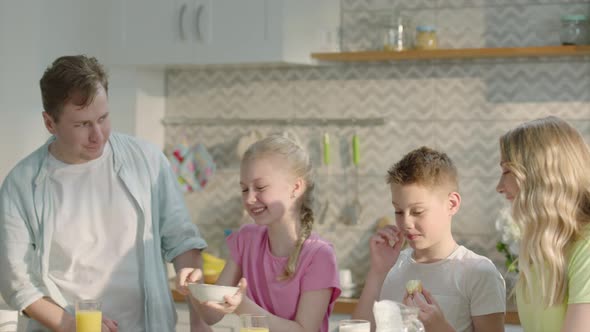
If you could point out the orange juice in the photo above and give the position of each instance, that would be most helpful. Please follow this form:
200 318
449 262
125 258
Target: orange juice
254 329
88 321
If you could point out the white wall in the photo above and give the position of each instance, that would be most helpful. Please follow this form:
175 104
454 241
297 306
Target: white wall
151 104
32 34
137 102
21 66
73 27
35 32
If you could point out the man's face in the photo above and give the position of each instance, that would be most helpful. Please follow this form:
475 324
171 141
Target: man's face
81 131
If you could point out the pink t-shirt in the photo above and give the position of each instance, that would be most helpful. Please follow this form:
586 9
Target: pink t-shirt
316 269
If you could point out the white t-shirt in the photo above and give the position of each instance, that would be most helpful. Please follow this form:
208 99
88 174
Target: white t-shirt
464 285
93 251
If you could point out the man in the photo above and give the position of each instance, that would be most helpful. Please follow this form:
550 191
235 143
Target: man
91 214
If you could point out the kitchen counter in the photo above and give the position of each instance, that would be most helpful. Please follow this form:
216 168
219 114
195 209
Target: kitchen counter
347 305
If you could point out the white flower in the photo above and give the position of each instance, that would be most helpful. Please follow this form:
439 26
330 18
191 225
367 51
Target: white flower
508 230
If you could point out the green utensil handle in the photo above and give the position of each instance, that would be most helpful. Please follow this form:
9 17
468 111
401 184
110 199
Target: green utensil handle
356 157
326 149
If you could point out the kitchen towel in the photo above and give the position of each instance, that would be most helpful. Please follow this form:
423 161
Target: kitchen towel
193 166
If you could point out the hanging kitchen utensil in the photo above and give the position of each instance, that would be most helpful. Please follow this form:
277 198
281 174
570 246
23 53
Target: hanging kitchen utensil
324 189
326 149
356 158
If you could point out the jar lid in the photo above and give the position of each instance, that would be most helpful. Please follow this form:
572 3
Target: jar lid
425 28
573 18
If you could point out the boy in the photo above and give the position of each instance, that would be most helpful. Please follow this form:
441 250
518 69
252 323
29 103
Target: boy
460 290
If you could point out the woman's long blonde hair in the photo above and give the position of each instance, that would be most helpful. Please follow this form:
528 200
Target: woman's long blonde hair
299 165
551 164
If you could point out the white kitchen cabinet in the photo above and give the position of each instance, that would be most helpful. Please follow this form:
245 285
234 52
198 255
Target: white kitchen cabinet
203 32
146 31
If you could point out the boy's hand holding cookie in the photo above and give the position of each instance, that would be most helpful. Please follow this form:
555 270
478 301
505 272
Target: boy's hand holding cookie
430 314
414 286
413 290
385 247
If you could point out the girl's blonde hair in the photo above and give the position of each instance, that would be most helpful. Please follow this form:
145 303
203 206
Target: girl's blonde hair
550 161
299 165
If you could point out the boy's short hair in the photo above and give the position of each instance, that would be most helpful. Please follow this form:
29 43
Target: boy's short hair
426 167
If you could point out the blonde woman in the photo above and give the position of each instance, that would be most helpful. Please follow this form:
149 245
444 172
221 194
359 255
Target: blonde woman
291 273
546 175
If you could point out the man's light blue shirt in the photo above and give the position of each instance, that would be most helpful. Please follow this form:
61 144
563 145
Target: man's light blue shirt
164 226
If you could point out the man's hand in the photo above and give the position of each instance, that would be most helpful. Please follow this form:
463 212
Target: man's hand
186 275
109 325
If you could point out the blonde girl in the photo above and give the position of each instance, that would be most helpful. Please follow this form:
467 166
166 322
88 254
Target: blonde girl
546 175
284 271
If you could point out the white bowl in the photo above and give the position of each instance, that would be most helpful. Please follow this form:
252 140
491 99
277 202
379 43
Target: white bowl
213 293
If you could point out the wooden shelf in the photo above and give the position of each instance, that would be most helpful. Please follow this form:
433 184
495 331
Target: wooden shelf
460 53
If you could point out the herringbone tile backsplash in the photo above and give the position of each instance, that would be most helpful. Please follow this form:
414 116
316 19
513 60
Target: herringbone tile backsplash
461 107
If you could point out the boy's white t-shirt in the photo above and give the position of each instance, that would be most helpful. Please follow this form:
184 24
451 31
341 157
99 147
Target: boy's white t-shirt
464 284
93 251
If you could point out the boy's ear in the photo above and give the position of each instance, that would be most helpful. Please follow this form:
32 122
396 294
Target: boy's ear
454 202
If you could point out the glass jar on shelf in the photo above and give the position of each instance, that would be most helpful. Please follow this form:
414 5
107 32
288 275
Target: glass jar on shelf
574 30
395 32
426 38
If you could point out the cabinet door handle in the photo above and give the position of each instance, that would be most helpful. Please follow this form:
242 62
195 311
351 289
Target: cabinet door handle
198 22
181 21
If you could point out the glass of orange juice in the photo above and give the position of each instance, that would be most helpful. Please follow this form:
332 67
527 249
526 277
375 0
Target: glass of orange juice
88 316
253 323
